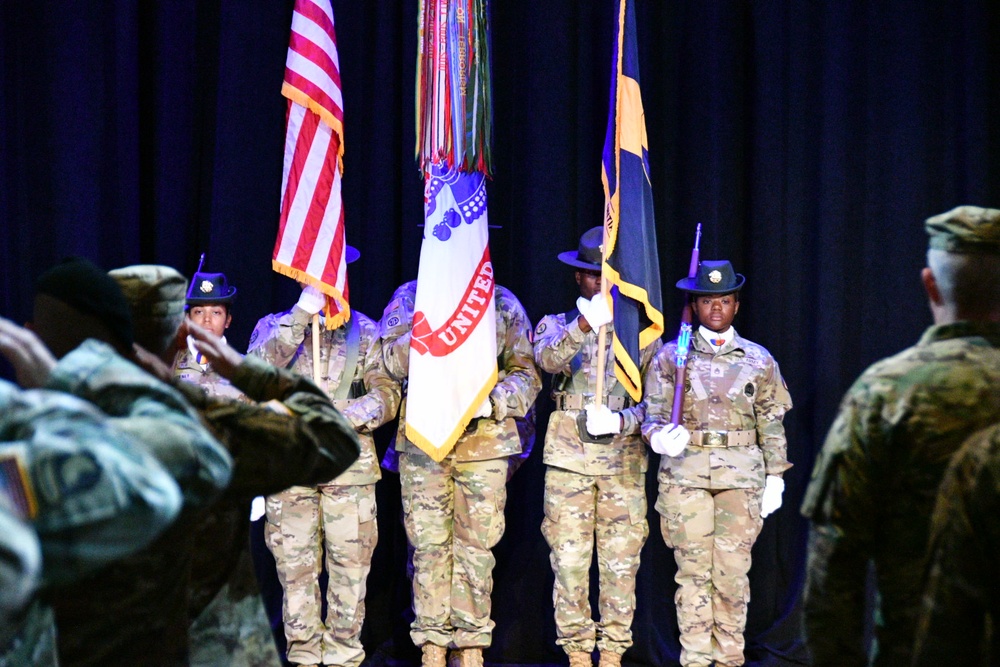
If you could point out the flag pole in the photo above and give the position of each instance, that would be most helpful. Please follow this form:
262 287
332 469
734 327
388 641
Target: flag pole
315 350
602 338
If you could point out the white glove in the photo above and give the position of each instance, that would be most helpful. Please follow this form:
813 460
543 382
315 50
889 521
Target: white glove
601 420
257 508
311 300
485 410
670 440
595 311
774 486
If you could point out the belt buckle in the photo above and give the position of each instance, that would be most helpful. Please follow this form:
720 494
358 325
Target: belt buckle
715 438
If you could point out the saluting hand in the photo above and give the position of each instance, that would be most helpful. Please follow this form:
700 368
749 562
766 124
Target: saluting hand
32 361
224 359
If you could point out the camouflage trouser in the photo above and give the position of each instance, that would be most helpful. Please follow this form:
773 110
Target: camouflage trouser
578 507
711 533
301 521
454 516
233 630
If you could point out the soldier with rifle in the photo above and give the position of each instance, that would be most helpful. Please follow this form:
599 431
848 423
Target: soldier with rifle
722 446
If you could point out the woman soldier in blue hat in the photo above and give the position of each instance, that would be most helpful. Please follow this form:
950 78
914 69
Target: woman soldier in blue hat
720 468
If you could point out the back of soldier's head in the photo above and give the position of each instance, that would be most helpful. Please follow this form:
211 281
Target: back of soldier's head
964 255
156 296
76 300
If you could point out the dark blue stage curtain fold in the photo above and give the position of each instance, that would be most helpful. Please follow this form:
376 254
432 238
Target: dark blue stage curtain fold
809 139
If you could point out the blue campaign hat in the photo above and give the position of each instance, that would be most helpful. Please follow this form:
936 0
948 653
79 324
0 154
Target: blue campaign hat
713 277
210 288
587 256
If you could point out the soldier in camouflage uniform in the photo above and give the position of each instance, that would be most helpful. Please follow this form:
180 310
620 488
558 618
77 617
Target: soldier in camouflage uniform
86 482
209 305
340 514
873 486
720 469
454 510
284 431
229 623
961 609
593 489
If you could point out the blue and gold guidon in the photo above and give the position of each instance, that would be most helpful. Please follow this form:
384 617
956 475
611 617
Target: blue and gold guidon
631 264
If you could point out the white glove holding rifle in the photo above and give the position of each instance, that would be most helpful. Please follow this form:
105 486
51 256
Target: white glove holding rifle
670 440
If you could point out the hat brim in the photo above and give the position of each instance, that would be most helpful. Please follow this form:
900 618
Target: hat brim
225 298
690 285
571 257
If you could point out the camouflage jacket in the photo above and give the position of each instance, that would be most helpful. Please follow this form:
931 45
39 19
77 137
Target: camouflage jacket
738 388
960 596
154 413
874 483
188 369
285 340
518 379
285 431
100 494
151 588
302 440
561 348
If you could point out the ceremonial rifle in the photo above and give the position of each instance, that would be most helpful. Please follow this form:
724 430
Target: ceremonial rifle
684 339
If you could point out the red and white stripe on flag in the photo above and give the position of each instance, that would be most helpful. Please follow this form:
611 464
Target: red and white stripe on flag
310 246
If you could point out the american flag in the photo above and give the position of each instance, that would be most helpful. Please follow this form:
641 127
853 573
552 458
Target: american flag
310 247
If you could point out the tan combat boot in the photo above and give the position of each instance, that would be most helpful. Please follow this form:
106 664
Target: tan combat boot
609 659
580 659
470 657
433 655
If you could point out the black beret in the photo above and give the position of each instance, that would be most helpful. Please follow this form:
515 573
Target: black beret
85 287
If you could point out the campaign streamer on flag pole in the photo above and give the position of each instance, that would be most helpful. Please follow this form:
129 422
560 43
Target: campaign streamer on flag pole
631 266
311 247
453 345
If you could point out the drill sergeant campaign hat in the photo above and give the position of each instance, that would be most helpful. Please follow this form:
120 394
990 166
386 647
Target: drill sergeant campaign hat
156 295
713 277
965 230
210 288
587 256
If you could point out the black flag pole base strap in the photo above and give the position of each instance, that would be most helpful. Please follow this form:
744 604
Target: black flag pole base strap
581 429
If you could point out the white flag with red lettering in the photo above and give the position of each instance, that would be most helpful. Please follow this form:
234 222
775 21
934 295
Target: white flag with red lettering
310 246
453 344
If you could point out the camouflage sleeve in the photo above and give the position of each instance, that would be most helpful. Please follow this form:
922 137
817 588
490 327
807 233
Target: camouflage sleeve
520 381
556 343
840 501
658 392
770 405
153 413
301 440
98 494
394 330
263 382
381 400
633 417
20 565
277 337
960 593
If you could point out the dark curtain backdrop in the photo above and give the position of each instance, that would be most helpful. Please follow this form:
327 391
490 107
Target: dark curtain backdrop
809 139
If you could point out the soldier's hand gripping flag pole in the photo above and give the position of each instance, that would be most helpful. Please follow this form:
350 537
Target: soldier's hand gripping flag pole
684 339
